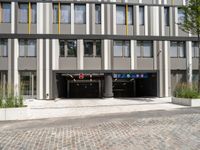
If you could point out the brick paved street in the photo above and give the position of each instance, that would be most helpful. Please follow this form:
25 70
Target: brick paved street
164 130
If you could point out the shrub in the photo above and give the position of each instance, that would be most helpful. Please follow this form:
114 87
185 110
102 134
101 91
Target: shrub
185 90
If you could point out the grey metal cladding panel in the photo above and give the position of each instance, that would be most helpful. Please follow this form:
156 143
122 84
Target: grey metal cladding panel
29 63
182 33
65 28
5 28
145 63
178 63
121 63
167 30
147 1
55 28
3 63
22 28
80 28
92 63
68 63
97 29
33 28
195 63
141 30
121 30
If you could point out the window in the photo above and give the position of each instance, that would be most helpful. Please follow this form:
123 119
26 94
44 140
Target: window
141 13
195 50
177 49
144 49
5 12
166 13
80 14
121 49
3 47
121 15
27 48
28 83
65 13
68 48
181 16
92 48
98 14
3 82
24 12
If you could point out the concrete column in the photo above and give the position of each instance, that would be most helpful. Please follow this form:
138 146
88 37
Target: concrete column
80 54
72 18
88 19
108 91
55 54
16 73
171 21
162 21
160 69
146 23
166 68
175 21
136 23
12 17
40 52
114 27
133 48
154 21
102 19
189 61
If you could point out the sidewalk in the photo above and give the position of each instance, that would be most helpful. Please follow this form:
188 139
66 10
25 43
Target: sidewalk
38 109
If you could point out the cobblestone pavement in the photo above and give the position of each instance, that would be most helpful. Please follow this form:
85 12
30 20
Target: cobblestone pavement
164 130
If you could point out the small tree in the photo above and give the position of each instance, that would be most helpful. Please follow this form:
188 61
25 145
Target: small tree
191 23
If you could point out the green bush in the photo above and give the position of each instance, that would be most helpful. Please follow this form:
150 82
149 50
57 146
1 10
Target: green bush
185 90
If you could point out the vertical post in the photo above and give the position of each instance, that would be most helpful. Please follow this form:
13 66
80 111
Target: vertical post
0 13
126 19
32 80
58 17
108 89
29 17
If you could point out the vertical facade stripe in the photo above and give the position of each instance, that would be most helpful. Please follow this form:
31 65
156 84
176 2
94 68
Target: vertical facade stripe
12 17
102 18
72 18
87 18
133 44
189 61
59 17
166 69
16 73
114 19
0 12
29 17
146 20
175 21
126 19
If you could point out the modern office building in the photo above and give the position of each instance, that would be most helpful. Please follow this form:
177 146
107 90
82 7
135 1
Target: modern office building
94 48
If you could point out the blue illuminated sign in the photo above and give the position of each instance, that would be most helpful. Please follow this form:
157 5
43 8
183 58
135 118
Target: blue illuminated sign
130 75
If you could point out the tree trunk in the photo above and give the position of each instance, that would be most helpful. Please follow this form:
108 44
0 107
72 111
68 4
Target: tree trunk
199 63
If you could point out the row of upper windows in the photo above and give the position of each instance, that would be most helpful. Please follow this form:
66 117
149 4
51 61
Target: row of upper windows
62 13
93 48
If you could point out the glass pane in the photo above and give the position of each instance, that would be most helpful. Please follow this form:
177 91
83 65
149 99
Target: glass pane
55 13
6 12
138 50
88 48
33 13
182 49
98 14
147 49
23 13
141 9
130 15
31 48
80 14
65 14
62 48
3 48
120 17
98 48
127 49
166 9
195 51
72 48
118 48
181 16
174 49
26 83
22 46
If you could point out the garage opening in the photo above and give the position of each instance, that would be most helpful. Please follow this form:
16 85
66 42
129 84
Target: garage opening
80 85
135 85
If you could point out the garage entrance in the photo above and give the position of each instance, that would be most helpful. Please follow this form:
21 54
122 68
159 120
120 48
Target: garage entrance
79 86
135 85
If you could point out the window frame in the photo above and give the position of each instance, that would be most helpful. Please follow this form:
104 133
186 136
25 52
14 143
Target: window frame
178 49
2 14
195 51
143 16
94 48
83 5
66 52
126 15
123 42
99 21
26 48
167 16
141 49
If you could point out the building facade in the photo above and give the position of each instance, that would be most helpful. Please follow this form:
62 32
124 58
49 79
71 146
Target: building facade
94 48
